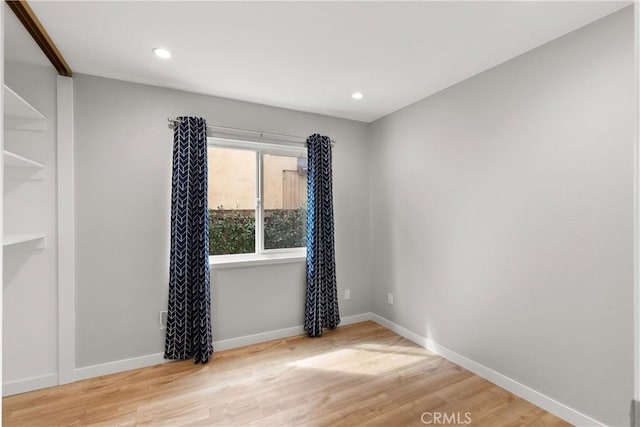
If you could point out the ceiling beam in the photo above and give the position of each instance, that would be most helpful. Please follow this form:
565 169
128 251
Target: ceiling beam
33 25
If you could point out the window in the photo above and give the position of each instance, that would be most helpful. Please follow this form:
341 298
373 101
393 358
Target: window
257 198
232 201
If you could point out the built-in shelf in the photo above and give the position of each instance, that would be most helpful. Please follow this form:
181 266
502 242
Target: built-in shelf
20 115
15 239
16 161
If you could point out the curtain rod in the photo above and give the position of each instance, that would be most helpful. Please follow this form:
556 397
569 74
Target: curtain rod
291 138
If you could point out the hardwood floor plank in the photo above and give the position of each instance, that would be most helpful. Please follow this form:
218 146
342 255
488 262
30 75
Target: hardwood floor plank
360 374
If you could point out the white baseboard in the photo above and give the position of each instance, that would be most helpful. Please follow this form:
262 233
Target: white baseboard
157 358
356 318
279 333
119 366
545 402
257 338
29 384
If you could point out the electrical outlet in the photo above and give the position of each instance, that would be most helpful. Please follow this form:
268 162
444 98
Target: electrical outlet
347 294
389 297
163 319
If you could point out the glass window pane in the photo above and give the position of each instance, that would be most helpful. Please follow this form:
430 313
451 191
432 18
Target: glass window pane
232 201
285 202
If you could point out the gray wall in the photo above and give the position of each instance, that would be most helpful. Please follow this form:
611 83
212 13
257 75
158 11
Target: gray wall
502 218
123 171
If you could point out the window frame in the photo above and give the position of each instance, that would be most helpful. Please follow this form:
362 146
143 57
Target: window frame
261 255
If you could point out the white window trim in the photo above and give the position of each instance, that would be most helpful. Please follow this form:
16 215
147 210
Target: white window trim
263 256
283 149
250 260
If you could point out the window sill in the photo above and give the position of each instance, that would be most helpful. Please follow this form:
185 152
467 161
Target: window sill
249 260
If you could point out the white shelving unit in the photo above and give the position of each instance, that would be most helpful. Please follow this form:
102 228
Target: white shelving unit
16 239
13 160
19 115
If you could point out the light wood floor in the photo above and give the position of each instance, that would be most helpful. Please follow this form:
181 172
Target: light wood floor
361 374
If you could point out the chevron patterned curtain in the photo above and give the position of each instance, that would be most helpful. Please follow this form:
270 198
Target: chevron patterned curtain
188 333
321 308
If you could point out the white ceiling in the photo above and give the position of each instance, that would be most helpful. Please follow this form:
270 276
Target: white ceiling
307 56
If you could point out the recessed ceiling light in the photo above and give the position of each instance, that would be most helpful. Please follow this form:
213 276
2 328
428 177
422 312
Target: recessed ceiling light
357 95
162 53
